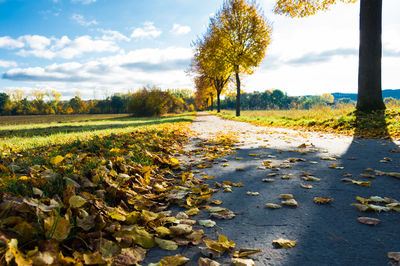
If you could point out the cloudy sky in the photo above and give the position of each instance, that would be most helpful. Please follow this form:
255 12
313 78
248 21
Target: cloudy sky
100 47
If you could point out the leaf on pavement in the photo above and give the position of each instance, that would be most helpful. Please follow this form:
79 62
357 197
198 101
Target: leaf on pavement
368 220
242 262
244 252
207 223
285 243
290 202
306 186
286 196
207 262
322 200
273 206
166 244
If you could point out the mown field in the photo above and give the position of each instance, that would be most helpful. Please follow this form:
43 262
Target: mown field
343 120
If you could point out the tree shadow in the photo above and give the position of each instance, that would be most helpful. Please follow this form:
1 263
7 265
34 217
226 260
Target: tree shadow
119 123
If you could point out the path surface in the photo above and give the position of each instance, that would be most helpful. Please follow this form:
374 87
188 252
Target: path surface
325 234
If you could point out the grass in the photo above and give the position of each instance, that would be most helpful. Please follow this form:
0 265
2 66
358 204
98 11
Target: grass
51 130
342 119
48 119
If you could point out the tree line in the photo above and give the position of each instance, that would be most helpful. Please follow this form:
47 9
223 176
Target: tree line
275 100
148 101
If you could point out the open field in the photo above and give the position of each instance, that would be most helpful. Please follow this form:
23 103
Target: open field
343 120
51 130
48 119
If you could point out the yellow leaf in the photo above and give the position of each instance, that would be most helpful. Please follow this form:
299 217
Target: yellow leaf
56 160
192 211
166 244
290 202
244 252
273 206
173 260
286 196
285 243
57 228
322 200
77 201
117 216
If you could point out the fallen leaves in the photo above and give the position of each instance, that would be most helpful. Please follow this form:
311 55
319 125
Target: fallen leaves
285 243
221 245
359 183
386 204
273 206
322 200
368 220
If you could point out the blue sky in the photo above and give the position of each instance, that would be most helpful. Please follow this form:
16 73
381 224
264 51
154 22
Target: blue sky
100 47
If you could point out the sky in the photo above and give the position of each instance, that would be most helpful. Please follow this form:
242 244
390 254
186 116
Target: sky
95 48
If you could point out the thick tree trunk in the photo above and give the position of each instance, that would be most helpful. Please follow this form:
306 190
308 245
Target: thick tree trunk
237 91
369 69
218 102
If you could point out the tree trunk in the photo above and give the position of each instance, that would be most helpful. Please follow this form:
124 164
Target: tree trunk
218 102
369 69
237 91
212 103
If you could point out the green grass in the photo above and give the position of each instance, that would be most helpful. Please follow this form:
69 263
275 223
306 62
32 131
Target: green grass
51 130
342 119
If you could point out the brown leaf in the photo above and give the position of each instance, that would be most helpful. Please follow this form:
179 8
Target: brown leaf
322 200
368 220
207 262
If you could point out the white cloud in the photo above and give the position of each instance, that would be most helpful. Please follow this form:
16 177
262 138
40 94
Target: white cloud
36 42
82 21
113 35
64 47
180 29
6 64
121 72
85 2
10 43
147 31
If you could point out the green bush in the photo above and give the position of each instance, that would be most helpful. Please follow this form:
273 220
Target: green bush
152 101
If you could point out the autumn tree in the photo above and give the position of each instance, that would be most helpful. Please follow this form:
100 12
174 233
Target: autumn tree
204 92
210 63
245 35
370 54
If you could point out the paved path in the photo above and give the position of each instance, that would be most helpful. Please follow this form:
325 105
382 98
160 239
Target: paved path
325 234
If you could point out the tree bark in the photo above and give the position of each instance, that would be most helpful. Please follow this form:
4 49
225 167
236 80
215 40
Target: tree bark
237 91
218 102
369 70
212 103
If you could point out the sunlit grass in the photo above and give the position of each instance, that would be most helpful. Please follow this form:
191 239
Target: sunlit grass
27 136
341 119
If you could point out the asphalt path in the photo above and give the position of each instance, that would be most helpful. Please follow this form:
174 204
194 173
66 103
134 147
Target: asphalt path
325 234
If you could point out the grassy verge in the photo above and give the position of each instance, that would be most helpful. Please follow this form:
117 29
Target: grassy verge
95 197
343 120
36 135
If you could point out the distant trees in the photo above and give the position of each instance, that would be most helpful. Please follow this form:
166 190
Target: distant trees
4 98
370 55
234 44
49 102
276 99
